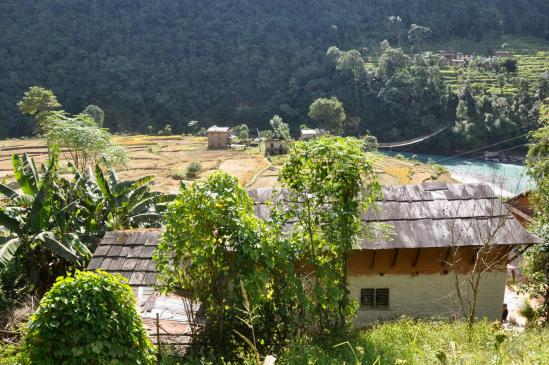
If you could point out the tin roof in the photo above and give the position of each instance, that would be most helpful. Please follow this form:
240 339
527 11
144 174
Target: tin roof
218 129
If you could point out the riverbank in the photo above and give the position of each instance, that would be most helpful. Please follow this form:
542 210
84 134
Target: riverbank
505 178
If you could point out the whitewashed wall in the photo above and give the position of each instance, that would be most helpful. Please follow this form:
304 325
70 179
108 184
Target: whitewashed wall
428 295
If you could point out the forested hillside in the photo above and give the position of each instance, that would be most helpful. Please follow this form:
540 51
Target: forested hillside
157 62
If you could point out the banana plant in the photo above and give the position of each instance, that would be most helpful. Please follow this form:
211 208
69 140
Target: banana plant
130 203
39 222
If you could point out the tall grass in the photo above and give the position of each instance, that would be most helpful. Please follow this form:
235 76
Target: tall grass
411 342
426 342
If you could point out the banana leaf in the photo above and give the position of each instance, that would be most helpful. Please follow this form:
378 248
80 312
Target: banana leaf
52 244
7 250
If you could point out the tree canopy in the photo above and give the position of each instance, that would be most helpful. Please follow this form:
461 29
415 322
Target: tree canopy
145 63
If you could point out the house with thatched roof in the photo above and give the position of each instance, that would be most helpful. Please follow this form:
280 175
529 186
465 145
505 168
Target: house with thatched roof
440 233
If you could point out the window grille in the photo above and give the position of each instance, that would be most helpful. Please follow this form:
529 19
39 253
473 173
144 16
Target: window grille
375 298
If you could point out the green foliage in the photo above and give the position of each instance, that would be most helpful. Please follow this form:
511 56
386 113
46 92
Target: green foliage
167 131
330 182
266 134
193 170
280 129
329 113
370 143
97 114
193 125
44 222
241 132
54 222
88 318
529 312
274 66
12 354
538 164
129 203
536 262
426 342
83 142
217 248
212 229
413 342
40 103
418 35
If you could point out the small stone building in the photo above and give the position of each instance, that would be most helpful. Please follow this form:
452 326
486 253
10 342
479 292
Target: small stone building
219 137
503 53
448 56
275 146
438 230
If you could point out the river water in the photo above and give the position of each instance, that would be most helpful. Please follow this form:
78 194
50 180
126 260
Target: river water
506 179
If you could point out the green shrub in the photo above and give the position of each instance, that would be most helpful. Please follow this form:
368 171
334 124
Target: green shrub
193 169
177 174
88 318
529 312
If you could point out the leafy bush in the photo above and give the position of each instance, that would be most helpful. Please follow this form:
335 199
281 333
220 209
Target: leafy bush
201 132
177 174
11 354
83 142
96 113
89 318
529 312
370 143
52 225
193 169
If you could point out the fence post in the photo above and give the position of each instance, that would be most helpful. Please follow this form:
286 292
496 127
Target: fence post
159 356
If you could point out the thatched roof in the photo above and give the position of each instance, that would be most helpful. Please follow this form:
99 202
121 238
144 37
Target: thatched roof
422 216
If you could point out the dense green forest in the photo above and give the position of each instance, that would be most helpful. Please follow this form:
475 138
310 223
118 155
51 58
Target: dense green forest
227 62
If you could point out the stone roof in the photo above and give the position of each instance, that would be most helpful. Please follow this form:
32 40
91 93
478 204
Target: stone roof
422 216
431 215
128 253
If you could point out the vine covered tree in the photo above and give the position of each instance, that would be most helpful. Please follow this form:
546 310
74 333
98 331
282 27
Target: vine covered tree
330 181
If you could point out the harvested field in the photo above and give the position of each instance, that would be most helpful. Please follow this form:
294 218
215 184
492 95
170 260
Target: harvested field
167 158
164 157
391 171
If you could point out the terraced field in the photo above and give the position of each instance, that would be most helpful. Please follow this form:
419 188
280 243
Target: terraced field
530 66
164 157
168 157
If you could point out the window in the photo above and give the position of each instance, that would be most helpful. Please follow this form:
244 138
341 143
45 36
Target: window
375 298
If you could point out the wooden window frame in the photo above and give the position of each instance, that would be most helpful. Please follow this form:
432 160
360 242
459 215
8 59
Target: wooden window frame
374 306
